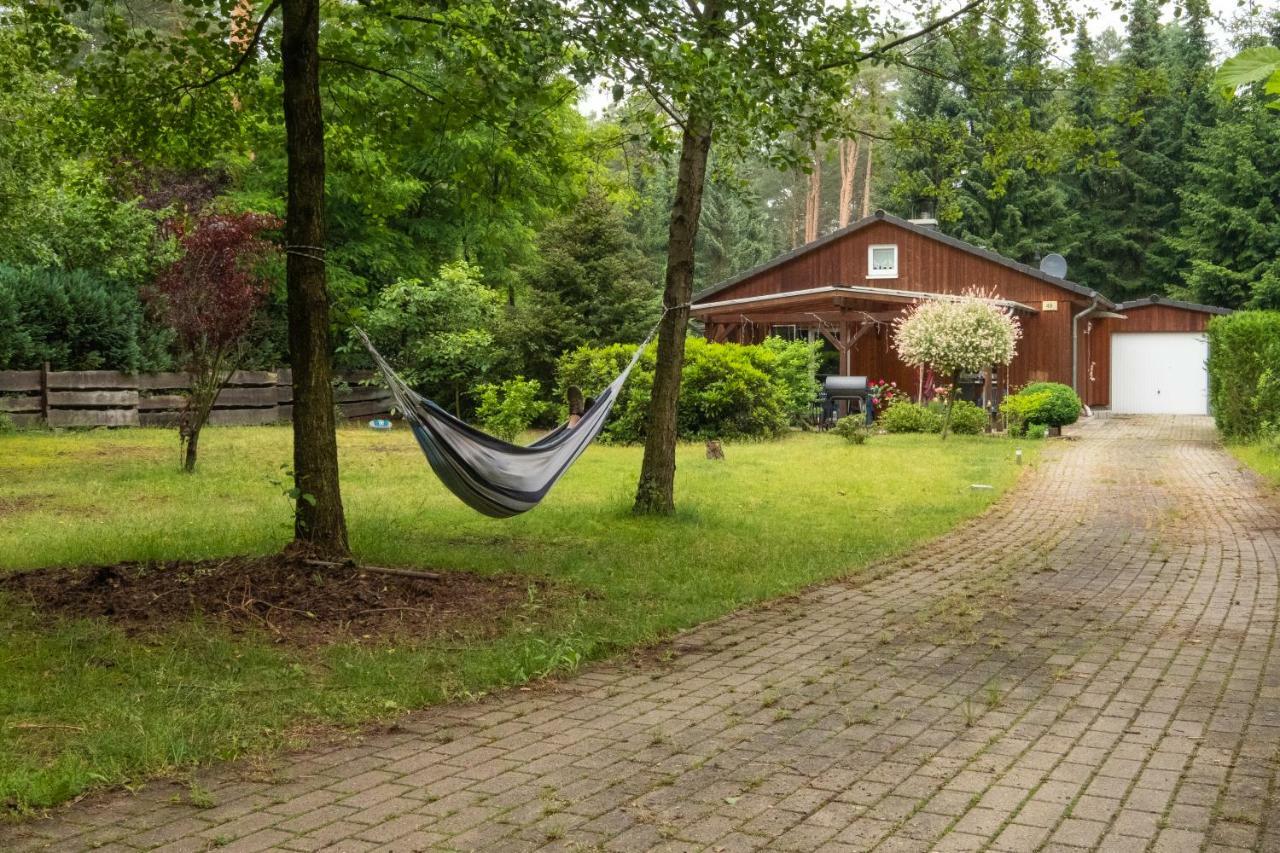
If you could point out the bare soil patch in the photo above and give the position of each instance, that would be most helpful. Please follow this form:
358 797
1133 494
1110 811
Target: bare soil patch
281 595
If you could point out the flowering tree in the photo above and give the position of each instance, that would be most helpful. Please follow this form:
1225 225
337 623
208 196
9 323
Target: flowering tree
954 336
209 297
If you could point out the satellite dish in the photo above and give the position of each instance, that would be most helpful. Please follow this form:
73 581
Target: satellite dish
1054 265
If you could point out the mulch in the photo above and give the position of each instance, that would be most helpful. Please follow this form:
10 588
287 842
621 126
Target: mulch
285 597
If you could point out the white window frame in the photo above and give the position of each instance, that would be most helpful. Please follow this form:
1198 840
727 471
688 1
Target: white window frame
871 253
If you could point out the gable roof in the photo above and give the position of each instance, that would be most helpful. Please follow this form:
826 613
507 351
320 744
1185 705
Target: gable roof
1155 299
932 234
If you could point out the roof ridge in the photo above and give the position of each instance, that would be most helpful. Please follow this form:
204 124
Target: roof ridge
934 234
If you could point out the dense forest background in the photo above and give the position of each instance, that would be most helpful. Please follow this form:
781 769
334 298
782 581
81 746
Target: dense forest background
475 208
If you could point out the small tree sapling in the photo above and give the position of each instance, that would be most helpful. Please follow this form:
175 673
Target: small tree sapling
954 336
209 298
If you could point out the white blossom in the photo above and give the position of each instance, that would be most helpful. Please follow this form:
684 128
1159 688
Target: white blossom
962 335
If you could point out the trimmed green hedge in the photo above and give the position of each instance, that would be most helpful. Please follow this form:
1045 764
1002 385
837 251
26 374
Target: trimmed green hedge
727 390
1244 372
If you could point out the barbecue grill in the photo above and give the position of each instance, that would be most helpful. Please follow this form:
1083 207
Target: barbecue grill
840 395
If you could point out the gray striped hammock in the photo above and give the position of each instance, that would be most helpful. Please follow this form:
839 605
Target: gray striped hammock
489 475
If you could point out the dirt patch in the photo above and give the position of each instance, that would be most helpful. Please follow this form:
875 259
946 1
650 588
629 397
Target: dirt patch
283 597
17 506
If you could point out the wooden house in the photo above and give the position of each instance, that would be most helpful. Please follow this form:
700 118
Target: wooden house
847 288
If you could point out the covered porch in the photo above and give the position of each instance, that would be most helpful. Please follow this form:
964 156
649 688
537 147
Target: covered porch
855 321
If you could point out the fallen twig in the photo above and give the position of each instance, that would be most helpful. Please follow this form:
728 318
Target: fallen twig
64 726
380 570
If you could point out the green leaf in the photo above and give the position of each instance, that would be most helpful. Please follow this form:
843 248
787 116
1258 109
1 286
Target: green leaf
1248 66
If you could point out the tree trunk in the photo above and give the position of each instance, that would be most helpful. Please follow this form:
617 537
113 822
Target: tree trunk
813 201
192 442
655 493
318 518
848 173
951 404
866 183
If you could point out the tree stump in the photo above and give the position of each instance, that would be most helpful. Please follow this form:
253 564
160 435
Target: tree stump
714 450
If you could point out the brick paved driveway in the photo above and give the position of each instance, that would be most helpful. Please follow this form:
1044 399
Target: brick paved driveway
1092 665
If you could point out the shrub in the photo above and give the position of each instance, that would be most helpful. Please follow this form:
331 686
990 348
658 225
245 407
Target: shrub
510 408
968 418
852 429
796 367
1037 431
1047 403
905 416
6 424
73 320
1244 371
727 390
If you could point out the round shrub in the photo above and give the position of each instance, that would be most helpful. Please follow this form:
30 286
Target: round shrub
1049 403
968 418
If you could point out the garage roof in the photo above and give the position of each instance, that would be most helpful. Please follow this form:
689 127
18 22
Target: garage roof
1172 303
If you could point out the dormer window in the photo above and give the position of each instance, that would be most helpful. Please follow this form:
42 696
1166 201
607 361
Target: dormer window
882 261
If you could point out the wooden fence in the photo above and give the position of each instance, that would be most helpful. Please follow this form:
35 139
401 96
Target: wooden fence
89 398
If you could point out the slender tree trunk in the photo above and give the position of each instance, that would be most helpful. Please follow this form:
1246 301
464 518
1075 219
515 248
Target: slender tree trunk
848 173
813 201
318 519
192 442
866 182
951 404
655 493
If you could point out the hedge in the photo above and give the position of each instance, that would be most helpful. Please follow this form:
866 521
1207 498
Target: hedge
727 390
1244 372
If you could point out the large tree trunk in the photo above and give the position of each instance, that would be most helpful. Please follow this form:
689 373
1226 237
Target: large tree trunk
318 518
655 494
813 201
866 182
848 174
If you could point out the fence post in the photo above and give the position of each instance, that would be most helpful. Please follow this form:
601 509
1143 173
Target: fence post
44 393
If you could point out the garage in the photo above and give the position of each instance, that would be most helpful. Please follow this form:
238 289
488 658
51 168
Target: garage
1159 373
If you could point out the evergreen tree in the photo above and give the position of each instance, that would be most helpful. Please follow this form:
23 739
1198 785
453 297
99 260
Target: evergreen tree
1085 182
1135 206
1230 230
590 285
929 149
1185 115
1029 215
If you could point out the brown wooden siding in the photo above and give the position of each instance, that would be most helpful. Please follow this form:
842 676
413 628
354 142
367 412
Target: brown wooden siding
926 265
1096 372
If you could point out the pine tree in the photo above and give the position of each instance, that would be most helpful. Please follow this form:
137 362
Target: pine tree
1230 229
1085 181
1134 204
1185 115
930 140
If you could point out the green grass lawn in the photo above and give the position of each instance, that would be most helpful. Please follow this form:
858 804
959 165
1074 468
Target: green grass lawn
1260 457
82 705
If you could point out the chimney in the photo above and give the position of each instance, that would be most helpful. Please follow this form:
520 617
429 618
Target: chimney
925 223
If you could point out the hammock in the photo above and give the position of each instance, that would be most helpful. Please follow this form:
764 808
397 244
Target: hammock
492 476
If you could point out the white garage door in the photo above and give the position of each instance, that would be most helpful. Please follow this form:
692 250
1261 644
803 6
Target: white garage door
1159 373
